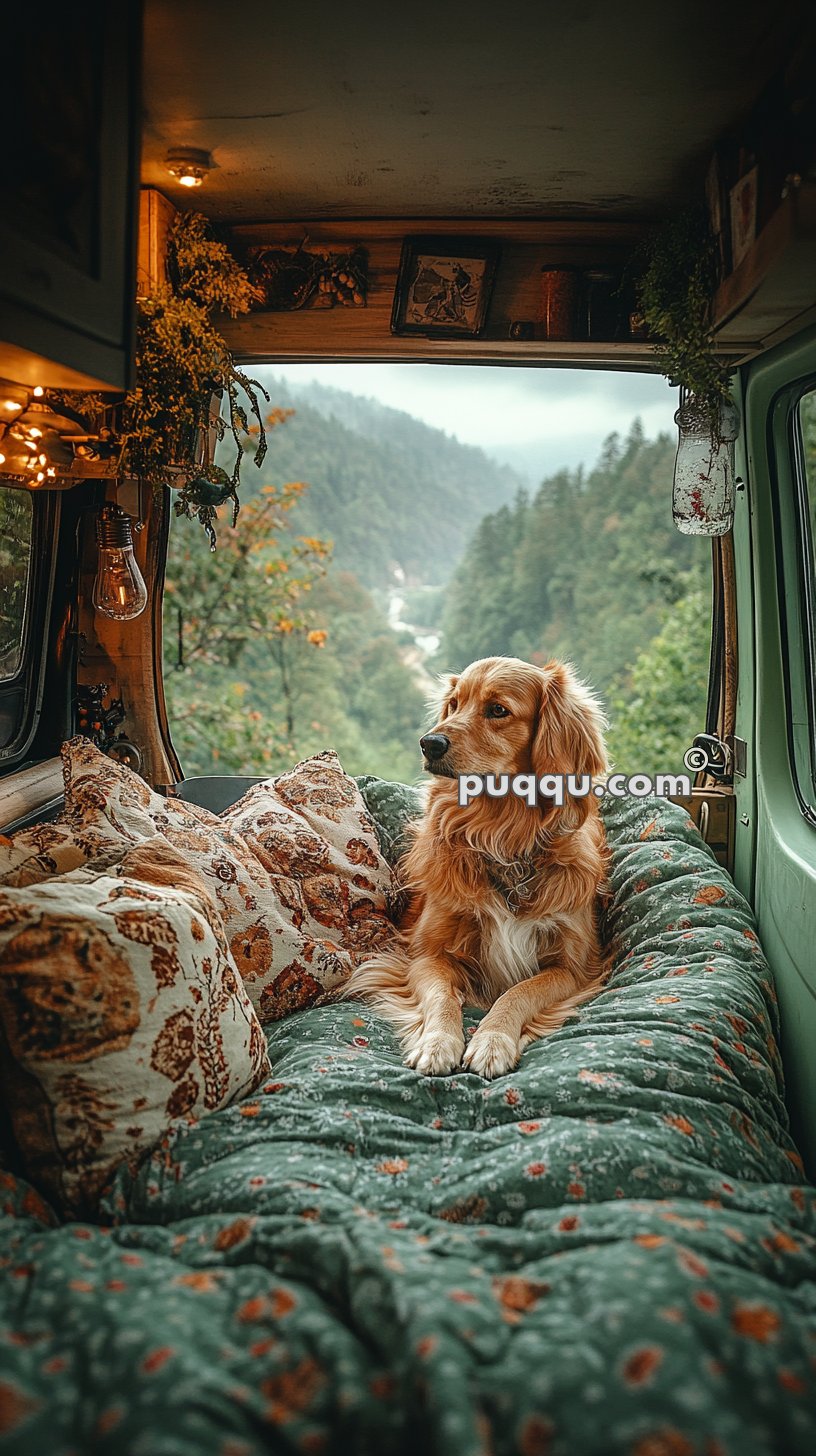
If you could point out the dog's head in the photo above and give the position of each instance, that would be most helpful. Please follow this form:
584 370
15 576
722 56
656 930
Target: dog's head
505 716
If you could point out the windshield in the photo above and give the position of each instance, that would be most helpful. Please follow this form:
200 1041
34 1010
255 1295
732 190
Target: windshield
408 519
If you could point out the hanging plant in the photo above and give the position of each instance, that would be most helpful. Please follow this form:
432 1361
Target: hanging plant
190 393
675 292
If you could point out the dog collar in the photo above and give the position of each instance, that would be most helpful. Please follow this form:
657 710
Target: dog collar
514 882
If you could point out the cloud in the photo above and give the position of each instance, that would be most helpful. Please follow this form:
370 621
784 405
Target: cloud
538 419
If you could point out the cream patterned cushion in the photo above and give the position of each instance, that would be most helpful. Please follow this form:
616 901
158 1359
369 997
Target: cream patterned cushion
295 867
120 1010
312 831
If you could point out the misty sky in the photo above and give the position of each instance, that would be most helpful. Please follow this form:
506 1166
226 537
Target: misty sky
537 420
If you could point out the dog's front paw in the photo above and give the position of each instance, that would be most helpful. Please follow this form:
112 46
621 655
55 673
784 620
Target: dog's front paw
491 1053
435 1053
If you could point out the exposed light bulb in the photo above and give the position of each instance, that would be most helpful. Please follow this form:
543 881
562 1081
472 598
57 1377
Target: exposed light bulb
2 458
12 406
191 179
38 391
119 590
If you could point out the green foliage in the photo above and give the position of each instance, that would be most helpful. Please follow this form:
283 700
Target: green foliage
657 719
675 295
423 606
182 364
387 489
203 270
16 516
286 652
268 658
583 571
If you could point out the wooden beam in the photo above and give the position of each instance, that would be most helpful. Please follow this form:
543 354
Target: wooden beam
772 293
30 791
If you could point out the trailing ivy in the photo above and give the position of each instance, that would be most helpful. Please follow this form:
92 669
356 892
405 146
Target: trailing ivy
187 379
675 293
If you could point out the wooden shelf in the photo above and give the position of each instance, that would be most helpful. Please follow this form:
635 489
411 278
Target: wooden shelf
364 333
772 293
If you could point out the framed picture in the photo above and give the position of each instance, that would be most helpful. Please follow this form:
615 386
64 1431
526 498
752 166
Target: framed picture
743 216
719 215
444 286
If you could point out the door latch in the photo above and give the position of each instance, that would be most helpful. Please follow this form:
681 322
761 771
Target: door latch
708 754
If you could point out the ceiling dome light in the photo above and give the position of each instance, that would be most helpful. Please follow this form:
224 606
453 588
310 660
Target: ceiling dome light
188 165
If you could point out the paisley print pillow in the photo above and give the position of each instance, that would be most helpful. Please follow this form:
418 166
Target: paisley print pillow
110 810
311 830
294 867
43 850
120 1010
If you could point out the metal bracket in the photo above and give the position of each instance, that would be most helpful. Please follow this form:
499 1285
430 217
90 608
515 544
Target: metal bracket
709 754
94 720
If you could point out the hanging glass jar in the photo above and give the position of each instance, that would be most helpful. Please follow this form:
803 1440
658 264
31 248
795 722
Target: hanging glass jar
703 494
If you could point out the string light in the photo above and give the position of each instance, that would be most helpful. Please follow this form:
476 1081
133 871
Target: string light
39 443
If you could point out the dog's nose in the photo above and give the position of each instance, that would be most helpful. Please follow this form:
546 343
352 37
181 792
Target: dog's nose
434 745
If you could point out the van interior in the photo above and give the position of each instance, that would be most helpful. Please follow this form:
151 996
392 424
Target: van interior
257 1229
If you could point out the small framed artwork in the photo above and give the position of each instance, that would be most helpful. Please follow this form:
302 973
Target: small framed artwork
444 287
743 216
718 211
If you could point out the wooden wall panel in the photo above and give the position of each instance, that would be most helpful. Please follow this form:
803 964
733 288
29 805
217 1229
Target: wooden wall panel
156 215
125 655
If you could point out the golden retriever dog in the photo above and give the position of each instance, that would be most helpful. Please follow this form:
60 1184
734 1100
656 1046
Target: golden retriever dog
504 894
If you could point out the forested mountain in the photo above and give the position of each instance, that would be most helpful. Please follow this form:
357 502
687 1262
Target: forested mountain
591 568
586 565
280 648
387 489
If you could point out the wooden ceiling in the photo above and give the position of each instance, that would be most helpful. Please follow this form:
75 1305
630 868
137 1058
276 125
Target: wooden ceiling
519 109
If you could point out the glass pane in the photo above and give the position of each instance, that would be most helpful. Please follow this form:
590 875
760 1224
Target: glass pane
807 422
437 514
16 512
804 716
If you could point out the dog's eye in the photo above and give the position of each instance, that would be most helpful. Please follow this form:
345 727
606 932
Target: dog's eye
497 710
452 705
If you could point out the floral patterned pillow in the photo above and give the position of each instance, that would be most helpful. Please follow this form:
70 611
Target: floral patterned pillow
312 831
295 867
109 809
120 1010
43 850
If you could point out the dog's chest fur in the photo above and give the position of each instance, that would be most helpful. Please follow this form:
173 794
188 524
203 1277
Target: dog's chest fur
511 947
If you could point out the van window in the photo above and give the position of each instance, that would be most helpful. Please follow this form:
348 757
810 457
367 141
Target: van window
16 516
804 725
434 515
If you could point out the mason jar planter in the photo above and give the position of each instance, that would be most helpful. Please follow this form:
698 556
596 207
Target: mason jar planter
703 492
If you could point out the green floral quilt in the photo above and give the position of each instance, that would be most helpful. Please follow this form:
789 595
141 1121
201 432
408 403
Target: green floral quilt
611 1250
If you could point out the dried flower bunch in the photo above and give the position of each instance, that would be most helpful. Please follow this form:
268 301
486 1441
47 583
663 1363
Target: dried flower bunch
189 388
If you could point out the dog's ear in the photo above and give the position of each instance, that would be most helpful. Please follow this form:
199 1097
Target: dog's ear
568 737
437 698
